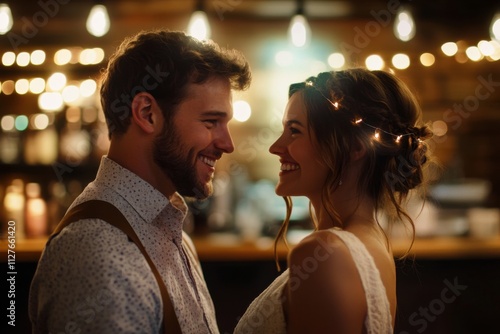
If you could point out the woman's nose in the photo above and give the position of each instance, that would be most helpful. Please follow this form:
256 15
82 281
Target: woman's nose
277 147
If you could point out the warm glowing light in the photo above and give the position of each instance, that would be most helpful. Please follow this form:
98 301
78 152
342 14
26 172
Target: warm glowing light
50 101
89 115
401 61
8 58
62 57
473 53
98 21
37 85
404 25
198 26
496 51
376 135
398 138
427 59
439 128
88 56
8 87
22 86
299 31
336 60
359 120
374 62
73 114
486 48
88 88
242 110
7 123
56 81
449 48
495 27
99 55
461 58
70 93
6 20
23 59
40 121
38 57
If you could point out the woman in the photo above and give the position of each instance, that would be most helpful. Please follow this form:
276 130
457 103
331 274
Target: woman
352 145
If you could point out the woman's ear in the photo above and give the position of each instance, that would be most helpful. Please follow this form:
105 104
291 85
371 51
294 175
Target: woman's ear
145 112
358 150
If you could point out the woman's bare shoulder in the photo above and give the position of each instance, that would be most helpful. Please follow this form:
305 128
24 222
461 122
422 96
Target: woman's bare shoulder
324 286
321 248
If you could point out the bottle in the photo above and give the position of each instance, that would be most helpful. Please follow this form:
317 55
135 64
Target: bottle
14 203
36 212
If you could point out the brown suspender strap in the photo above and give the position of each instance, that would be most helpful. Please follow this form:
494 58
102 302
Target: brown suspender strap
109 213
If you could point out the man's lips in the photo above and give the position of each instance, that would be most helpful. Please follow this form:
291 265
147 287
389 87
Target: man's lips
208 161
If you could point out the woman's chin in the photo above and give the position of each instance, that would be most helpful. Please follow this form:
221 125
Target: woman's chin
283 191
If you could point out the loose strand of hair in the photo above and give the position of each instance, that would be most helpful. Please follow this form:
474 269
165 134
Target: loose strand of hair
281 236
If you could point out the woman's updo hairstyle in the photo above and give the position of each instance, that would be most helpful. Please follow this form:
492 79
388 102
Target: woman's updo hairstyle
377 109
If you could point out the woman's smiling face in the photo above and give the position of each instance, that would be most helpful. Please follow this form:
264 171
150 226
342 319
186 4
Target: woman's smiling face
302 172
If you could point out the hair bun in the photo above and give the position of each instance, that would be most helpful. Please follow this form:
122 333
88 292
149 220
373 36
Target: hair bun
422 132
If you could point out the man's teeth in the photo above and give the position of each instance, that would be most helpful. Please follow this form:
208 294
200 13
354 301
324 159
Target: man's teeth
287 167
208 161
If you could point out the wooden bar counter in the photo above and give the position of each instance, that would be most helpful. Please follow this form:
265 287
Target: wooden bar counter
228 247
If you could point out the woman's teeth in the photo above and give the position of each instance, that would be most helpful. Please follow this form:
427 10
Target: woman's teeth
287 167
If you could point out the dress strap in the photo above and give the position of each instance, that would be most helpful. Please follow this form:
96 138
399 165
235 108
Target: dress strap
379 319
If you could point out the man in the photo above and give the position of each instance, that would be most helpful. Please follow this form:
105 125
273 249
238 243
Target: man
167 102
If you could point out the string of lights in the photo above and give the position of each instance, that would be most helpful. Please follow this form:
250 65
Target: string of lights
376 135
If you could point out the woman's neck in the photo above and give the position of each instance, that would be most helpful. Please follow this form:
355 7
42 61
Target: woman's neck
353 210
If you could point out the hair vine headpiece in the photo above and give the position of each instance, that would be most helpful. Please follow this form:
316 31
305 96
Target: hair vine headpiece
336 106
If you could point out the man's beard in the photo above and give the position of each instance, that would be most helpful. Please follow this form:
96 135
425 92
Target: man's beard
179 167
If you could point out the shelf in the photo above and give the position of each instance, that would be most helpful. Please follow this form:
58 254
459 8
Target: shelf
219 247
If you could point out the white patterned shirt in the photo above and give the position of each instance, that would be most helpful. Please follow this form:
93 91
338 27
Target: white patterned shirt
92 279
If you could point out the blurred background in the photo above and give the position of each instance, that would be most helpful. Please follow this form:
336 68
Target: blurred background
52 134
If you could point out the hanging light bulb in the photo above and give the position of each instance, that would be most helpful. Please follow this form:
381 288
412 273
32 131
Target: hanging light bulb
495 27
299 31
6 20
98 21
198 26
404 25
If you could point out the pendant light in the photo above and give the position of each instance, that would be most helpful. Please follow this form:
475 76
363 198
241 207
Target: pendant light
299 32
198 26
495 27
98 20
6 20
404 25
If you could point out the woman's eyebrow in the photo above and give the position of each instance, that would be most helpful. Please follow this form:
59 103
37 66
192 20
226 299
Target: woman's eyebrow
293 121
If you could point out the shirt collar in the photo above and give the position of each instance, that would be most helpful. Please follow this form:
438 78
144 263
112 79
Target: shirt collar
142 196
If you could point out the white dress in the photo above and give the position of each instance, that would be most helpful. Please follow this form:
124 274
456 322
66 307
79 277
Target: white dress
265 314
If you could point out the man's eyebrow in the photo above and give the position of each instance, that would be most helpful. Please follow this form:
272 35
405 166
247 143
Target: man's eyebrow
214 113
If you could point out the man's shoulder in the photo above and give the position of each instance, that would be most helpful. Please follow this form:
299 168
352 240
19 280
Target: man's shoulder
88 238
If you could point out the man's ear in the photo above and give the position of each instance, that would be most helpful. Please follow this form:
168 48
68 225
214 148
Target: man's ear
358 150
145 112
